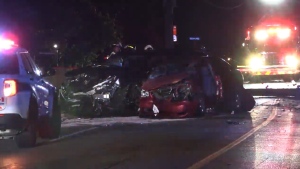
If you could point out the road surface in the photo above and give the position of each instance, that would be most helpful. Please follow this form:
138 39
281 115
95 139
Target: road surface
267 137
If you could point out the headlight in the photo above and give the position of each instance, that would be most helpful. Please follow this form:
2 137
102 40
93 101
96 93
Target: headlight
261 35
144 93
256 62
284 33
291 61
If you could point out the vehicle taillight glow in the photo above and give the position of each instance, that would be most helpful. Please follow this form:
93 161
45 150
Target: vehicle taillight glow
6 44
261 35
9 88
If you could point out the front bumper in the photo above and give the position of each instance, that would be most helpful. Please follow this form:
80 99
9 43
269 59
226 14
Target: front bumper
11 124
269 70
169 109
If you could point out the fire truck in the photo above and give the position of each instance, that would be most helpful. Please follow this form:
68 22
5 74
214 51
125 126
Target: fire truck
272 52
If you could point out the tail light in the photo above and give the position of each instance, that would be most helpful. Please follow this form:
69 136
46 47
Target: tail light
9 88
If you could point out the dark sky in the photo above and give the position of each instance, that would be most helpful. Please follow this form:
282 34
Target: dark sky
220 29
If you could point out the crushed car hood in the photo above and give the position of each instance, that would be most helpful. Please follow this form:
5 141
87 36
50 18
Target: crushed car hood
151 84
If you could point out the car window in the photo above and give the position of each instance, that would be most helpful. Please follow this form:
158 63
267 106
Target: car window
26 63
9 64
220 66
36 69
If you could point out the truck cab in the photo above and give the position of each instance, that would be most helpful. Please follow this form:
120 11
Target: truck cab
272 49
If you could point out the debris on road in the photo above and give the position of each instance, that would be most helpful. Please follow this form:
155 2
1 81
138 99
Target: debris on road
234 122
113 120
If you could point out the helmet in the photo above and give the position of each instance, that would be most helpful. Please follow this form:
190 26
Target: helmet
117 45
130 47
148 47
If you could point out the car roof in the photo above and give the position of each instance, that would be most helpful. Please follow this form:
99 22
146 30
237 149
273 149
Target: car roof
14 50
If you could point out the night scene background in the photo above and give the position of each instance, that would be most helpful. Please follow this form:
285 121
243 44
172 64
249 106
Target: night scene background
87 27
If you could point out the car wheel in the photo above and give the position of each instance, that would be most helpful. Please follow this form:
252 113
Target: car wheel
28 137
201 108
63 104
55 121
50 127
248 102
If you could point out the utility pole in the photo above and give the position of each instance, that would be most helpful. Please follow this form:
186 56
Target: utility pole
169 6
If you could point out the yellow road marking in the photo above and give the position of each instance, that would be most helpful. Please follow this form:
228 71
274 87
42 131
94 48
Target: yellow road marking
213 156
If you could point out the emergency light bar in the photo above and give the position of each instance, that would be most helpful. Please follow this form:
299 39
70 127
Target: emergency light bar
6 44
281 33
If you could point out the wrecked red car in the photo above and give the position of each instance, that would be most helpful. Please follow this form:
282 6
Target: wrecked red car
187 90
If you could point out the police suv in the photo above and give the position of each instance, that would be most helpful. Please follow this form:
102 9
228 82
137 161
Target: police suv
28 104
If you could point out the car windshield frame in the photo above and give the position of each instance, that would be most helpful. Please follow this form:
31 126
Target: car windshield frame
165 70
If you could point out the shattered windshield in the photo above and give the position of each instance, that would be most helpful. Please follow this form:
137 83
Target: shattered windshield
9 64
164 70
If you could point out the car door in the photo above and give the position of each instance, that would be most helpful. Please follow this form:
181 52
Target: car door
41 88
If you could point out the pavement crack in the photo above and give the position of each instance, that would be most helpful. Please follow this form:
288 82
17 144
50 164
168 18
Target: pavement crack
261 162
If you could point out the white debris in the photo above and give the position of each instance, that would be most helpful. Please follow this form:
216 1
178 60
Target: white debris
113 120
297 107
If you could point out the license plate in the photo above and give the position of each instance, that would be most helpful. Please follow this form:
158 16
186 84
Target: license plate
155 109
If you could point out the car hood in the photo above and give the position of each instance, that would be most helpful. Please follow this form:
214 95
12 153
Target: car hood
91 70
151 84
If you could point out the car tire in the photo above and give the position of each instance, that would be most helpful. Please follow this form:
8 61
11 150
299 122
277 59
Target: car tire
201 108
248 102
234 101
51 126
55 121
63 104
28 137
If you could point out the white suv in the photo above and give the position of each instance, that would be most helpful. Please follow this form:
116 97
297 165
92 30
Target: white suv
28 104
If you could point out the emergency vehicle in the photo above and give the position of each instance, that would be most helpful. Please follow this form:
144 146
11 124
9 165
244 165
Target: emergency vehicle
28 103
272 49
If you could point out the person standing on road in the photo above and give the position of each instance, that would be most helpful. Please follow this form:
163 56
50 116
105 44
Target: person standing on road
116 49
208 82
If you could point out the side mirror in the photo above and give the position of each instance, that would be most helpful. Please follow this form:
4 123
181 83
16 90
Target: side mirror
49 72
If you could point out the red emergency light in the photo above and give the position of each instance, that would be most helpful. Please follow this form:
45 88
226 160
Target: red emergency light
6 44
280 33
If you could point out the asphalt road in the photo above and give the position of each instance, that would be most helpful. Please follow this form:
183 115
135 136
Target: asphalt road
267 137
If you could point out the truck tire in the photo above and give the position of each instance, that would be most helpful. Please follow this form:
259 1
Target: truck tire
28 137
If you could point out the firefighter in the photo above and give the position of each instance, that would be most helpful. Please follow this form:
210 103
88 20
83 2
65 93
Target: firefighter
116 49
208 82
